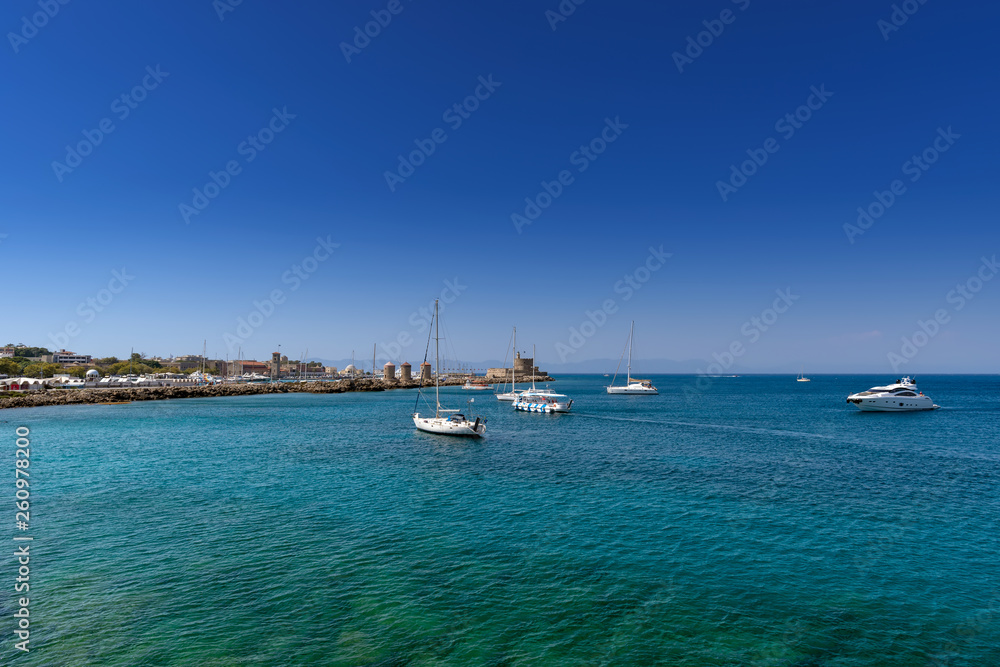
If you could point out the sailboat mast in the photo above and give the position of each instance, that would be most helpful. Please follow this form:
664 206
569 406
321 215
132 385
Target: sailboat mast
629 371
437 363
532 367
513 364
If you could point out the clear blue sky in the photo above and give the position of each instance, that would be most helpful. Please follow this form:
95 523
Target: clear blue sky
190 277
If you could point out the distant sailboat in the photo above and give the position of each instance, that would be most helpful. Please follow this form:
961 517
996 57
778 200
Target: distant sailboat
802 378
476 384
511 395
631 386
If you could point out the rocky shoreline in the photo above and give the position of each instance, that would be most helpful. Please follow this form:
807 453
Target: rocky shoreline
34 399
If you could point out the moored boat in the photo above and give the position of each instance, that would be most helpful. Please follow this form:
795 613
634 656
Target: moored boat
541 400
510 396
632 385
454 423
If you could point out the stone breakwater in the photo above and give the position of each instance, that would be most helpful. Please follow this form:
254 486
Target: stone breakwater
120 395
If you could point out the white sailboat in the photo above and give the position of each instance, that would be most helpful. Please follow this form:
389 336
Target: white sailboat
455 423
802 378
476 384
639 387
511 395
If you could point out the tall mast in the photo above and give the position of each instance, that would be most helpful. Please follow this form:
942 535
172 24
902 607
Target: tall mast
629 372
513 364
532 367
374 347
437 363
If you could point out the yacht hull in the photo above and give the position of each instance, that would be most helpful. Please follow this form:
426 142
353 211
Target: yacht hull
893 404
509 397
635 391
444 426
527 406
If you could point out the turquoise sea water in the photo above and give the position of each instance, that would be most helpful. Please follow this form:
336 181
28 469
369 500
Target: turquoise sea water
753 521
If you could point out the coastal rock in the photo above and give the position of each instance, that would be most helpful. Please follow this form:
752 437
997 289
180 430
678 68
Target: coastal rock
41 398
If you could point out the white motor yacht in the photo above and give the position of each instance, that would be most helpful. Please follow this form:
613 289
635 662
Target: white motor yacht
901 396
542 400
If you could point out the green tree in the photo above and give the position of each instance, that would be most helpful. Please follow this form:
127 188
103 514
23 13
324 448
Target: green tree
140 358
9 367
123 367
45 370
32 352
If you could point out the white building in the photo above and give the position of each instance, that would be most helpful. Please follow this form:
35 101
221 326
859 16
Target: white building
24 384
67 357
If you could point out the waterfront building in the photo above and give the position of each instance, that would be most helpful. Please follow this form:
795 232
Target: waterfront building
24 384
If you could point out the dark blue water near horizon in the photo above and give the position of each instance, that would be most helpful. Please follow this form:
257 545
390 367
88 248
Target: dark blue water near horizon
736 521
